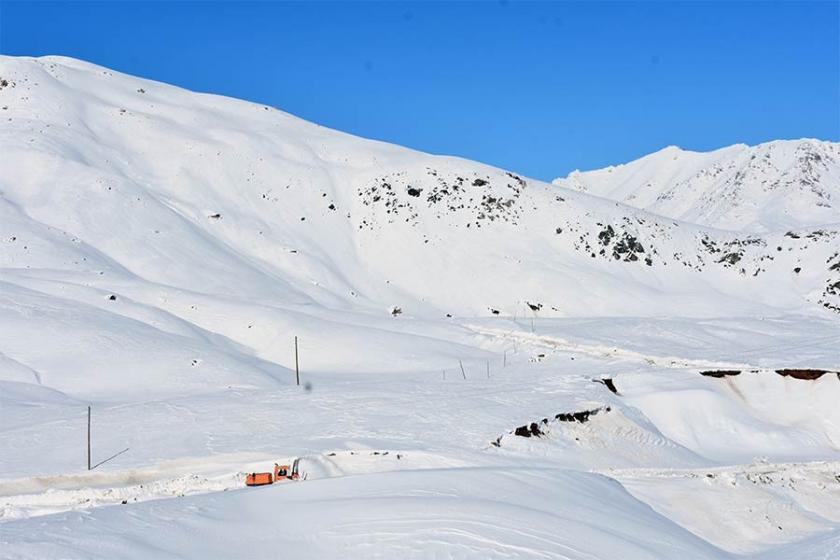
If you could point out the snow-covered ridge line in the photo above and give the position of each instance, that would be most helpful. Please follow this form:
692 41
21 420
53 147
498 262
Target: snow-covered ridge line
783 184
299 213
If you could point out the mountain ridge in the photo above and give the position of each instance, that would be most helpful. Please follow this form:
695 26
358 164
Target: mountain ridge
231 221
776 185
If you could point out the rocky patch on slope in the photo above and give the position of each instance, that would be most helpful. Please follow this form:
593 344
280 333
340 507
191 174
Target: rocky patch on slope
542 427
474 199
807 374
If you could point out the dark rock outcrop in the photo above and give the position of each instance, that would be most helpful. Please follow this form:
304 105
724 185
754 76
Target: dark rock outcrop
719 373
806 374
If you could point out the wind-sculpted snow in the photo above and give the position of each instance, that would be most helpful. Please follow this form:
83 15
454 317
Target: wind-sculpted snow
163 254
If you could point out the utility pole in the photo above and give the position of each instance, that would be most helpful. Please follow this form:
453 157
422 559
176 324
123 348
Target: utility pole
297 369
88 438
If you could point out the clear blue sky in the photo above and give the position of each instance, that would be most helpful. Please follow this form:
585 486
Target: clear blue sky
541 88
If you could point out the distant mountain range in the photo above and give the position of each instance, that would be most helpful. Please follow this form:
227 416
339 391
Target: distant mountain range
776 186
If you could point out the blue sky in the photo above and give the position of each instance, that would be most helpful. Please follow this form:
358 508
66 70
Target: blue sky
540 88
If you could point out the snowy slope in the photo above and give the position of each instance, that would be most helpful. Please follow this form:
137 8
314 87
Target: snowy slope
785 184
295 215
467 521
161 249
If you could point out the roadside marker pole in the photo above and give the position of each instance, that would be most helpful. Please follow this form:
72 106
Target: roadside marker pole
297 369
88 438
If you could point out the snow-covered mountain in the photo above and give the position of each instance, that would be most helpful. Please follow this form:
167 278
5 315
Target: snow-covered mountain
161 249
253 197
777 186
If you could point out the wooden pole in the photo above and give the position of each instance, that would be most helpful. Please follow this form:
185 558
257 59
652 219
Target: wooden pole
462 369
297 369
88 439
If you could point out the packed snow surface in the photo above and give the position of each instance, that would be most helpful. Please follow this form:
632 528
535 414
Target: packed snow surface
491 366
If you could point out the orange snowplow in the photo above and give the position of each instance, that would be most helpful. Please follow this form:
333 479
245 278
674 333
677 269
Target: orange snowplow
258 479
281 472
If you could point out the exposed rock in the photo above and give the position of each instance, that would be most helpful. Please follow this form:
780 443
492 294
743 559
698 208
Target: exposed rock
806 374
530 430
721 373
582 416
534 428
609 384
606 235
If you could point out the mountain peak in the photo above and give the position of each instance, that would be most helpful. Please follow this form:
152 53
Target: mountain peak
772 186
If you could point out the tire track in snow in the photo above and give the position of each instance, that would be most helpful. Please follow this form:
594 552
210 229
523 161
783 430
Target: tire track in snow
44 495
602 351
